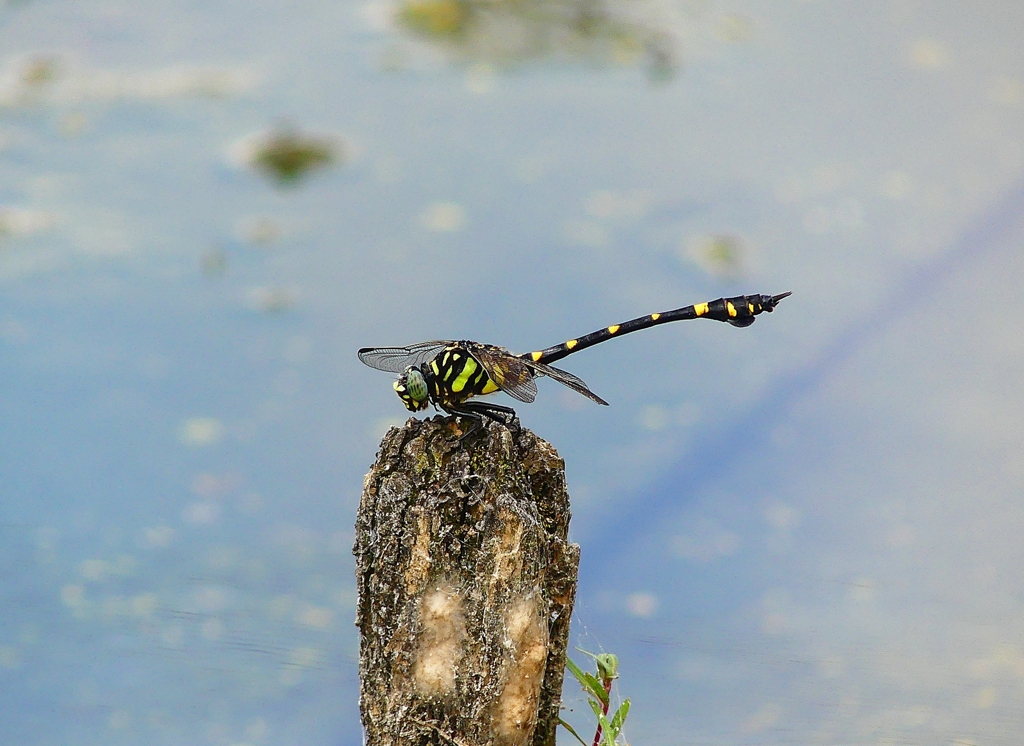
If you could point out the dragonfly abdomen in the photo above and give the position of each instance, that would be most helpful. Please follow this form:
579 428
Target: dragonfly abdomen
738 311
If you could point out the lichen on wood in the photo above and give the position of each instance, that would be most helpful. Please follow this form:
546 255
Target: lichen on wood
466 584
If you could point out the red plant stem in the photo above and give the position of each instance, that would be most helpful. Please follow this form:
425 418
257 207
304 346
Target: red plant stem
607 700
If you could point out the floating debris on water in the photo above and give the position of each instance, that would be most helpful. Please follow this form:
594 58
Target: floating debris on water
214 262
38 71
52 79
15 221
435 17
508 33
261 230
720 255
286 155
443 217
72 123
201 431
272 299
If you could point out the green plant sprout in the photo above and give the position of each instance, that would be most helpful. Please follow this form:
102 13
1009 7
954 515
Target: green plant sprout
598 690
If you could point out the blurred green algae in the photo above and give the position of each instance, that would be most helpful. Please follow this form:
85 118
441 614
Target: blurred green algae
286 156
510 32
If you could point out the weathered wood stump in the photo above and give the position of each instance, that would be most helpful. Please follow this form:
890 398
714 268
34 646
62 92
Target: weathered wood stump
466 585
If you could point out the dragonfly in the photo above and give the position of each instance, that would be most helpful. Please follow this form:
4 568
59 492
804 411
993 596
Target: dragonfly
450 374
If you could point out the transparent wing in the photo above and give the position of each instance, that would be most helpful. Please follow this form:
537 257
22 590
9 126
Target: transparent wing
509 373
565 378
397 359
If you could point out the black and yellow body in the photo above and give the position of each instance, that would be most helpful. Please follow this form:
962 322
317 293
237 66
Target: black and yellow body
457 375
738 311
453 372
447 374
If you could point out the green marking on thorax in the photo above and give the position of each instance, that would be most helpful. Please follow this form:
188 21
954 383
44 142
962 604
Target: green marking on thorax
468 370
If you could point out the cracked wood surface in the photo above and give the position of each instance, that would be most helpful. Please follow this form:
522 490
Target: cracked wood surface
466 584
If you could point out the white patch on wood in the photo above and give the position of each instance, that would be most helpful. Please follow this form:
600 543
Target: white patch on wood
507 550
514 714
440 643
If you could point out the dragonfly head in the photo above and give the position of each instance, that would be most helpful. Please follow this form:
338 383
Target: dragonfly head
411 388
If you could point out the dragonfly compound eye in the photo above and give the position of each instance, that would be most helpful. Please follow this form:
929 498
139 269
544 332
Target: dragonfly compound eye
411 388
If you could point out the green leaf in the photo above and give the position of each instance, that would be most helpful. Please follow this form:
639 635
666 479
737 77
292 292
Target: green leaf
596 707
619 718
589 683
570 729
576 671
597 689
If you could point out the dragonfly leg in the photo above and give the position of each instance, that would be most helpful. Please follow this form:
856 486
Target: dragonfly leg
477 410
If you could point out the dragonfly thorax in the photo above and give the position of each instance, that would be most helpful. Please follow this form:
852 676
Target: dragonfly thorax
411 387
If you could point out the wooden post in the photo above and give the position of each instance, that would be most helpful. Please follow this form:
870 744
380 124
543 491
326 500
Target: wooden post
466 586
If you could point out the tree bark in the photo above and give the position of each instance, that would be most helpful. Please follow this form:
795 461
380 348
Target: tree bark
466 586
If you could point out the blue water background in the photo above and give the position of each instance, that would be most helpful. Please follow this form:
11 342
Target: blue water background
802 532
